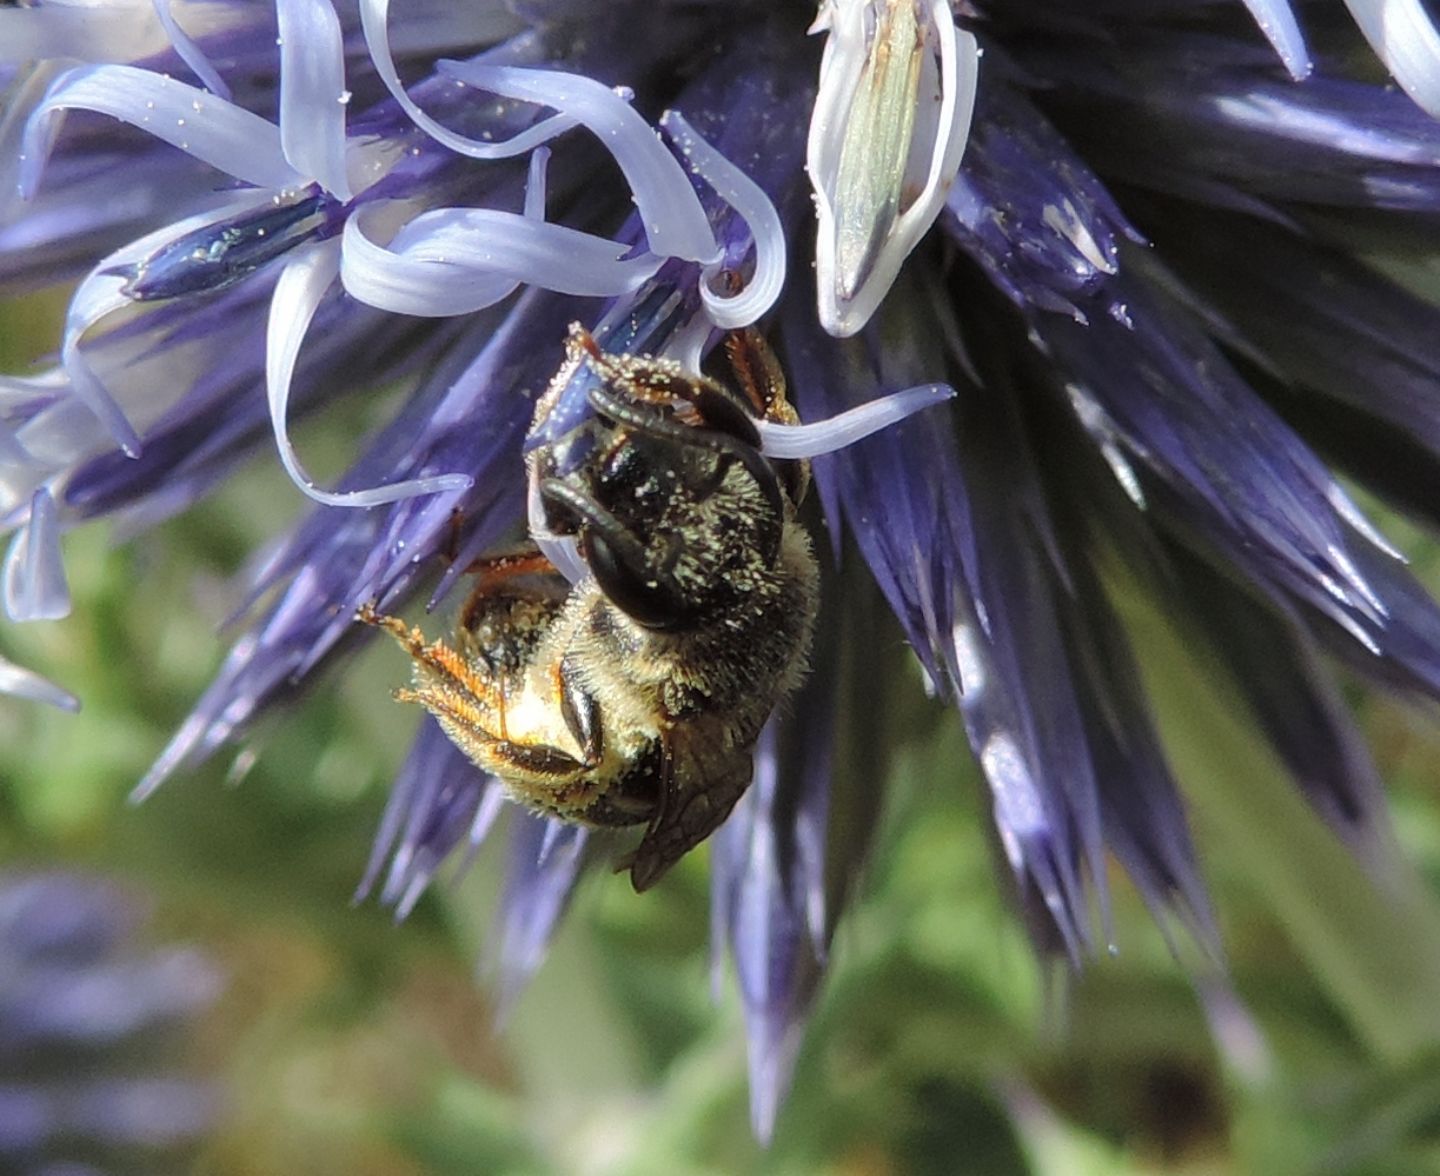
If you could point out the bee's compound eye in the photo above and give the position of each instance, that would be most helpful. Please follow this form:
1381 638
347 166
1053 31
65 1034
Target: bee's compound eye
645 595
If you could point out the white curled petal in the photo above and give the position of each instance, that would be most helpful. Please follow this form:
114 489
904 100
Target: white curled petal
842 66
35 588
374 18
23 94
1276 19
432 27
95 298
674 219
378 277
27 391
791 441
312 92
753 206
220 133
302 284
190 53
458 260
687 345
22 683
112 30
535 252
1405 38
535 184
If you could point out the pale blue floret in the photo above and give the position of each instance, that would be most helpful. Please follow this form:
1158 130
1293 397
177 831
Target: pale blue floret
18 682
1277 21
34 577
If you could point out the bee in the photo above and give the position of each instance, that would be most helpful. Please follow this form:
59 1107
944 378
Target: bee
635 695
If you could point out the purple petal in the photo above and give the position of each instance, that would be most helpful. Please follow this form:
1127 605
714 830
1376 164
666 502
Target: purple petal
1214 456
1018 693
60 917
82 1009
759 904
896 488
141 1111
338 559
1346 354
1405 650
1207 118
434 805
1029 211
1142 814
18 682
546 861
944 533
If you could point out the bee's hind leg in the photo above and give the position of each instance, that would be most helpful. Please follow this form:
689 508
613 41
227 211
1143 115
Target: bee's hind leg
444 671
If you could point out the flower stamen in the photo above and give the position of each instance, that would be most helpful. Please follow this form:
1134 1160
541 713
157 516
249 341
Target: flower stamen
897 91
225 251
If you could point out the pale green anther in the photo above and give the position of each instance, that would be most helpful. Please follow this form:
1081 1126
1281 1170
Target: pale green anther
897 89
876 144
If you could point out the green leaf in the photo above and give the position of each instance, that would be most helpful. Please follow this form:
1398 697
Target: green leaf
1374 945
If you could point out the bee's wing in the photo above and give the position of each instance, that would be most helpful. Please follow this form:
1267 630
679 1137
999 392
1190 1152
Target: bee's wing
701 780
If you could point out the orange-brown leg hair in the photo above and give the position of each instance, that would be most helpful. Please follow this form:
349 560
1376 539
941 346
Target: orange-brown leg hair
468 706
758 373
447 669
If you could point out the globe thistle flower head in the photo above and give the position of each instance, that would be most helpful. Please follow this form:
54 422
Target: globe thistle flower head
1124 238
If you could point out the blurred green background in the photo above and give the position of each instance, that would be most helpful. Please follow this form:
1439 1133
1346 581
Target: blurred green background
349 1044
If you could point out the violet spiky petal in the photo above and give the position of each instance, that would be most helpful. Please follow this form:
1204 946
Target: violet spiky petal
1275 666
546 861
